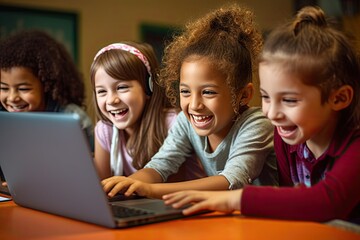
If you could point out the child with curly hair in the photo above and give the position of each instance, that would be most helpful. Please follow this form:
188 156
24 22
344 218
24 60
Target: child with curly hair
134 113
310 85
208 71
38 74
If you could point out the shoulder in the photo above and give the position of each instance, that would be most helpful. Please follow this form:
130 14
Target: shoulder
253 119
73 108
103 133
181 125
170 115
253 113
345 141
181 117
182 121
103 127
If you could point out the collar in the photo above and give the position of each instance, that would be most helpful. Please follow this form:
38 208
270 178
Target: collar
339 143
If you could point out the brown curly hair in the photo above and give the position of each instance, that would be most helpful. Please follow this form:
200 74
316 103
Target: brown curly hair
49 61
227 37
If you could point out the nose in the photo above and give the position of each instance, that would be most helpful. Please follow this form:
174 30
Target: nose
195 102
272 111
13 96
112 99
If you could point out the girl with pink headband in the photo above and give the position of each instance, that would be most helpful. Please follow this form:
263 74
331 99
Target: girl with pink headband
208 72
133 110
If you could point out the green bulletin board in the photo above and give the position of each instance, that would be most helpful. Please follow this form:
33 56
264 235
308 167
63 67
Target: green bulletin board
63 26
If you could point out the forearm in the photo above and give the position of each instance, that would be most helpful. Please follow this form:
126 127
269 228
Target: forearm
102 161
211 183
147 175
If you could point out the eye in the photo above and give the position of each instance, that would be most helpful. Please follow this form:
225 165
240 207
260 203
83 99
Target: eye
24 89
290 100
184 92
4 88
265 97
122 87
100 92
208 92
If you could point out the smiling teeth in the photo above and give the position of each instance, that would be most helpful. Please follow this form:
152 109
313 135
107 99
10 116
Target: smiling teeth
117 111
19 107
199 118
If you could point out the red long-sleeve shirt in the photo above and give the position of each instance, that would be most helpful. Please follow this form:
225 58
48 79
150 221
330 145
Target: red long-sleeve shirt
335 183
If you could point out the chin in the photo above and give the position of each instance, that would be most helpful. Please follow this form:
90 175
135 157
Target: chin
292 142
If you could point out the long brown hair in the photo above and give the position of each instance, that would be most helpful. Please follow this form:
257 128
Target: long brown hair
152 130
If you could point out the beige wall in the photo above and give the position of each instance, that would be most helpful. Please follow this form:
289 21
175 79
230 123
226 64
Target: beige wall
105 21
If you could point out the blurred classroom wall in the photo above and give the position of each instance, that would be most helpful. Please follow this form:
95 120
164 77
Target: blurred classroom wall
101 22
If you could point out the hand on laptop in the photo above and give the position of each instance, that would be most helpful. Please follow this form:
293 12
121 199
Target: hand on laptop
223 201
125 185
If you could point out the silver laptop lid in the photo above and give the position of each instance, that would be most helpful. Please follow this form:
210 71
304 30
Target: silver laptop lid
36 150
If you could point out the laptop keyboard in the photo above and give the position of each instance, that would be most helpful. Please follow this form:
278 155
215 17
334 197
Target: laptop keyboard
123 212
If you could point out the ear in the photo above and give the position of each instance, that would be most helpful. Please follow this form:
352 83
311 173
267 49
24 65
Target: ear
246 94
341 97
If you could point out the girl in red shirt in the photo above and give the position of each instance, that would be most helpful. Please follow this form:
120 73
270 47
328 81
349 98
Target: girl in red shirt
309 83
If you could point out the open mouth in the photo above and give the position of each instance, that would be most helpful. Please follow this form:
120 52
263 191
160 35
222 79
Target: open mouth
119 113
17 108
202 120
286 131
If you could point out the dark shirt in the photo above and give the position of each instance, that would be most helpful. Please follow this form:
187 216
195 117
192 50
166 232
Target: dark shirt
334 178
2 178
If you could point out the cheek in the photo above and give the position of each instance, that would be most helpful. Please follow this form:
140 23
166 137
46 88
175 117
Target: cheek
136 100
223 107
299 117
101 102
38 96
32 98
264 108
183 103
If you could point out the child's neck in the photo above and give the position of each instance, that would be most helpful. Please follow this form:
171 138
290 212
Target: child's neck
215 139
320 143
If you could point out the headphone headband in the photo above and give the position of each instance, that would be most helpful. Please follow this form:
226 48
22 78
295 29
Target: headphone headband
134 51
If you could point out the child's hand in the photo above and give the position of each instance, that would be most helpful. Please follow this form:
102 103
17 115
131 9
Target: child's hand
224 201
4 184
125 185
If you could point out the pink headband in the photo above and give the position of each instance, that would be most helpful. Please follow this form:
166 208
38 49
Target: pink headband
132 50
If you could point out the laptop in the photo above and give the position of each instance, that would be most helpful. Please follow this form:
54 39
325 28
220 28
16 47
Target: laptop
48 166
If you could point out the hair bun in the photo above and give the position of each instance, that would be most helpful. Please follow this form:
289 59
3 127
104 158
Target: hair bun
222 23
309 16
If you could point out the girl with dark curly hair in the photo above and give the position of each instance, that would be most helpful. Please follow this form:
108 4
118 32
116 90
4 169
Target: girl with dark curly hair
208 72
38 74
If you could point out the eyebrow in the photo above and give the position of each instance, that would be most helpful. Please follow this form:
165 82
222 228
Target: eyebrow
204 86
282 93
19 84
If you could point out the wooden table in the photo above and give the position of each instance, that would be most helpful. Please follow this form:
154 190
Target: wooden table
21 223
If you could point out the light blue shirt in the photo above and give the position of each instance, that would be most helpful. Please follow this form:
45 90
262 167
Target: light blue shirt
245 156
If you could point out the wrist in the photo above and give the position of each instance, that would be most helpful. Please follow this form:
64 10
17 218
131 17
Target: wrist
236 199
